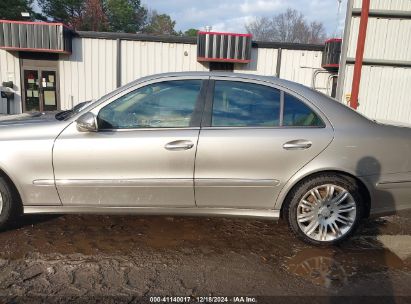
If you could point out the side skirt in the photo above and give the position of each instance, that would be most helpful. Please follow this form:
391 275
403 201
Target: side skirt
226 212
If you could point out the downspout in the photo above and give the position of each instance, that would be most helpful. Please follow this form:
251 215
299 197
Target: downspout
344 51
359 56
118 64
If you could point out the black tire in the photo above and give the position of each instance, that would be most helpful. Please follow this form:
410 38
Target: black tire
300 190
10 204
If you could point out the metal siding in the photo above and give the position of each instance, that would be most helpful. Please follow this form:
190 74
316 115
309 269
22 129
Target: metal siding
384 90
89 72
299 66
400 5
143 58
387 39
263 62
10 70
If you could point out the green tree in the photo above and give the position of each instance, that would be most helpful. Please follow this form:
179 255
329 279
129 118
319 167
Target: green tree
160 24
191 32
70 12
12 9
125 15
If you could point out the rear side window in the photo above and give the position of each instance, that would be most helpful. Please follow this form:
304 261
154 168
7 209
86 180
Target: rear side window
241 104
297 114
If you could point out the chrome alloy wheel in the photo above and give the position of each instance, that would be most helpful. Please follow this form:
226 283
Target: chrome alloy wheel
326 212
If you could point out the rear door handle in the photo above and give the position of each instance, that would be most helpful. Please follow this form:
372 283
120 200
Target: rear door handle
298 144
179 145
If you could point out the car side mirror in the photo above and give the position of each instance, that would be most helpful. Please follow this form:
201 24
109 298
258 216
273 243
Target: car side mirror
87 123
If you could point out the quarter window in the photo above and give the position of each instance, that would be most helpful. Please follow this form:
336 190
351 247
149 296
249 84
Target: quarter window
160 105
297 114
241 104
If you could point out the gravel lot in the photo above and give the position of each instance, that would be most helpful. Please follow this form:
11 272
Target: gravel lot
99 259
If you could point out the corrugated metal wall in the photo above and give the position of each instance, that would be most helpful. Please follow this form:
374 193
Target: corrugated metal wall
299 66
384 89
263 62
89 72
10 71
143 58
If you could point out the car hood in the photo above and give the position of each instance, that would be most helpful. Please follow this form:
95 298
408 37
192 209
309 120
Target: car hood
27 118
28 126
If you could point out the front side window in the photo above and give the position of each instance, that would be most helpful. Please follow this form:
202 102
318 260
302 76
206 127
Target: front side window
168 104
241 104
297 114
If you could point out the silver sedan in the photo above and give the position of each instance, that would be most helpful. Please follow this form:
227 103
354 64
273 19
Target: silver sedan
210 144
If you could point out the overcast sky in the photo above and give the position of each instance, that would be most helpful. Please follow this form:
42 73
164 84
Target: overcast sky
231 15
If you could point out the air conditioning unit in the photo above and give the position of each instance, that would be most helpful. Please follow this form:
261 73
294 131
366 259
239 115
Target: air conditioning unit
223 47
331 54
35 36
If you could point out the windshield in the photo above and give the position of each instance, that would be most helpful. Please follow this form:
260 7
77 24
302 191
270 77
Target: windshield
76 109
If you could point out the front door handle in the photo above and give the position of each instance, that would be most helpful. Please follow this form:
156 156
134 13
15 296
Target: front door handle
179 145
298 144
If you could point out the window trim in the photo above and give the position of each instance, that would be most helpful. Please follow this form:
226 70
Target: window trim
195 122
208 108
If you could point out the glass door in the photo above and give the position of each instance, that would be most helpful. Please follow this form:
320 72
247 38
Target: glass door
32 91
49 94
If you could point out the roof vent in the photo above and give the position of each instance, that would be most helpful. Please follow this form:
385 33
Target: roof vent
35 36
223 47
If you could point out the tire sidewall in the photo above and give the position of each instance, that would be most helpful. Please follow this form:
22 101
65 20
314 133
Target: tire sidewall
349 184
6 212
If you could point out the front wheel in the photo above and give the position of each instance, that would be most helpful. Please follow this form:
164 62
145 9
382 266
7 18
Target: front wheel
324 210
8 204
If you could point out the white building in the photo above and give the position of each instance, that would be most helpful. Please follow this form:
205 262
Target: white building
375 73
52 68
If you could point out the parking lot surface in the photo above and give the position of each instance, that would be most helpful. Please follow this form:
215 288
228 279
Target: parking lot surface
130 258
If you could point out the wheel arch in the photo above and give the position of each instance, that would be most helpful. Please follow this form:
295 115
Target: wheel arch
13 187
365 191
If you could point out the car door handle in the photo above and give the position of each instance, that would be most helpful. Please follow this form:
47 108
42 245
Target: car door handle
179 145
298 144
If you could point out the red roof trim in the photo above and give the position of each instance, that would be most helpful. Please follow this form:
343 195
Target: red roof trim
223 59
333 40
35 22
331 65
221 33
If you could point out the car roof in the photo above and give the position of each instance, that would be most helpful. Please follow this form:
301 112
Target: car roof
271 79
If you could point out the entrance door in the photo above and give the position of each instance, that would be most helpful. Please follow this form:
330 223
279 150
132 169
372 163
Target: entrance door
40 90
31 90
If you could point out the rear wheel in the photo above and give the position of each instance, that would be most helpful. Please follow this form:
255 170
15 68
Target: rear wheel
325 210
8 204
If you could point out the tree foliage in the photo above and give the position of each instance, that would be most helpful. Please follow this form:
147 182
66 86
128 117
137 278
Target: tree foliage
290 26
71 12
125 15
191 32
12 9
95 19
97 15
160 24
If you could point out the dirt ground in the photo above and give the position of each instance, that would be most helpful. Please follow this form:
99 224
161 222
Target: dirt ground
127 259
